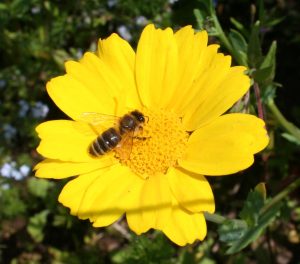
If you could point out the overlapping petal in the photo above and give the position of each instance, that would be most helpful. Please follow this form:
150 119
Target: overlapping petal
183 226
217 92
192 51
103 84
75 98
226 145
192 191
156 67
153 205
120 58
57 169
66 140
102 196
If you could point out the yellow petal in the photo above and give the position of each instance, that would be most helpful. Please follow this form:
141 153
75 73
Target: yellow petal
192 191
226 145
65 140
57 169
74 98
184 227
117 54
112 194
209 78
156 66
153 205
94 73
218 91
102 195
75 190
191 49
207 61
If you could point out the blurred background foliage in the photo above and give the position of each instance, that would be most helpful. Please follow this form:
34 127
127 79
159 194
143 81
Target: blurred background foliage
37 37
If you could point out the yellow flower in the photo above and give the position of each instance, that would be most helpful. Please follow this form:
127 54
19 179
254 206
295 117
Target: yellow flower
183 87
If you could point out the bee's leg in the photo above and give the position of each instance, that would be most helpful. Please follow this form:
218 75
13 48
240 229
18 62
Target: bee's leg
141 138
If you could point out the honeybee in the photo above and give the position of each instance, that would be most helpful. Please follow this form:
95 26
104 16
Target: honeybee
117 136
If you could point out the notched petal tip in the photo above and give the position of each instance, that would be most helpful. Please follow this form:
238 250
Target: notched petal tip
192 191
225 146
150 27
184 227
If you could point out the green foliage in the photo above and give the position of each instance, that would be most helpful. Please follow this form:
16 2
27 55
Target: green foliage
254 232
39 187
239 234
144 250
36 225
239 44
254 46
252 206
14 206
266 72
232 230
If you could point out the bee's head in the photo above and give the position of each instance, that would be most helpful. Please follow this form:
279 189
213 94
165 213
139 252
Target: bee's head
138 115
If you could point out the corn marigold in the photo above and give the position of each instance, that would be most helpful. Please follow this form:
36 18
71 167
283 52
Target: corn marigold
183 86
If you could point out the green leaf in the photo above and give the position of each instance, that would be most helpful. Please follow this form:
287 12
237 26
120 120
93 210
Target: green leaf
291 138
239 26
36 225
60 57
199 18
63 220
39 187
206 260
207 6
12 204
276 21
261 11
3 6
253 233
263 75
254 47
269 92
205 23
232 230
186 257
269 62
239 44
253 204
238 41
261 188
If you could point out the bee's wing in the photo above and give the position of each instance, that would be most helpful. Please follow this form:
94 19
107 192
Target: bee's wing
124 148
98 121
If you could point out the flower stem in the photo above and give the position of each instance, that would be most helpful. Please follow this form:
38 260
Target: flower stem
218 219
288 126
258 101
221 34
280 196
215 218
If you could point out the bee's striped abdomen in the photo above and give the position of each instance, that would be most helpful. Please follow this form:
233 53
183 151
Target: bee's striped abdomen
108 140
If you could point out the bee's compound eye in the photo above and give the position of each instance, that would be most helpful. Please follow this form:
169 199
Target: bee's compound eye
141 119
139 116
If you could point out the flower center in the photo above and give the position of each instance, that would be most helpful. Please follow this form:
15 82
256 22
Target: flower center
158 145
